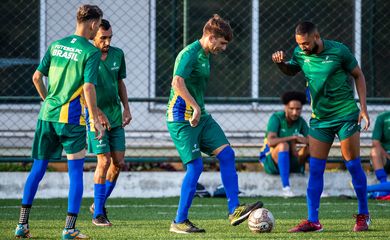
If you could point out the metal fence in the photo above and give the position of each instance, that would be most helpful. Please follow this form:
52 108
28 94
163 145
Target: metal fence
245 85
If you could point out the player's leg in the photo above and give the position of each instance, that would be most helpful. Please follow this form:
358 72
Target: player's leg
46 146
117 147
214 142
378 162
350 149
320 142
116 165
281 156
186 142
103 163
102 150
73 140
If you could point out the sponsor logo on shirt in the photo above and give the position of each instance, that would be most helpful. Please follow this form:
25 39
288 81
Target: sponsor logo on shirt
114 67
327 60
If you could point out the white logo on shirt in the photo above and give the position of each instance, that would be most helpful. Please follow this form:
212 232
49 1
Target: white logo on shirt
327 60
73 40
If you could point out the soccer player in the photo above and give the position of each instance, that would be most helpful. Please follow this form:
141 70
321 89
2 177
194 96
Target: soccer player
71 65
380 152
285 131
110 92
193 130
327 66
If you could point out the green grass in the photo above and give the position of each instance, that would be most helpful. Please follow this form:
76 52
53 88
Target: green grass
150 219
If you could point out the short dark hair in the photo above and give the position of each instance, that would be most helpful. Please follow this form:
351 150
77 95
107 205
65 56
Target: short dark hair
88 12
105 24
218 27
305 28
290 96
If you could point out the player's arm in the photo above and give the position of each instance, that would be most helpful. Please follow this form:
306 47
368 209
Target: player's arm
278 57
179 86
126 116
274 140
360 83
103 119
39 85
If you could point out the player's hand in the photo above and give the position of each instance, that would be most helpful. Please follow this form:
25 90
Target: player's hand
364 115
278 57
126 117
104 120
301 139
99 130
195 117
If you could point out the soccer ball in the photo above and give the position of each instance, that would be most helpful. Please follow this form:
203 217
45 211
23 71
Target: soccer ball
261 220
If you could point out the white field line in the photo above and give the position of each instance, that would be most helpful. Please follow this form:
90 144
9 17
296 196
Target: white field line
201 205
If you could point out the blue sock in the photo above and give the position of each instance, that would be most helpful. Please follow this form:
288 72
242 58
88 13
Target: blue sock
359 181
36 174
229 177
284 167
75 171
381 175
99 197
381 187
109 187
188 188
315 187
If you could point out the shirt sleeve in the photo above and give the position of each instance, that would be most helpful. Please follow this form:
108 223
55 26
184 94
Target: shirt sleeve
91 70
273 124
349 62
44 66
122 69
183 65
378 129
293 60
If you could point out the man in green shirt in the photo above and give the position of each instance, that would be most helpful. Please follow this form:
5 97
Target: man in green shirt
193 130
111 92
286 130
380 152
327 66
71 65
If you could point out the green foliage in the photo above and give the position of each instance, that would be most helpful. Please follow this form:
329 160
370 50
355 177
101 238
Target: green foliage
150 219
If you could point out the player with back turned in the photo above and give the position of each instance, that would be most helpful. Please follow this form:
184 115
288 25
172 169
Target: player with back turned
71 65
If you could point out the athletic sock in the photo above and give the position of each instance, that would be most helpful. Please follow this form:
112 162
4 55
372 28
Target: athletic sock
229 177
359 181
99 197
381 175
70 222
284 167
24 214
109 187
315 187
75 172
188 189
36 174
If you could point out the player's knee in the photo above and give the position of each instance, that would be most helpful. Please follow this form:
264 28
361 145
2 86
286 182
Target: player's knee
226 153
283 147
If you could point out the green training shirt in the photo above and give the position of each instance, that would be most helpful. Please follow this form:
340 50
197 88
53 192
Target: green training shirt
327 74
278 124
193 65
111 70
69 63
382 130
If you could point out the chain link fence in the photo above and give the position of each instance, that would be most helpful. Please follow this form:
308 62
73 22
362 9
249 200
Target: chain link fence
245 85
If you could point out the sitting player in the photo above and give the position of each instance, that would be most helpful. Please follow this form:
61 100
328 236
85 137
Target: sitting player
380 153
285 146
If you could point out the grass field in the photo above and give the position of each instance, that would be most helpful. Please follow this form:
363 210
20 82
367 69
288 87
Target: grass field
150 219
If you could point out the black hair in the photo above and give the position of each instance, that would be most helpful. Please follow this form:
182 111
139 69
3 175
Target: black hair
289 96
105 24
305 28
